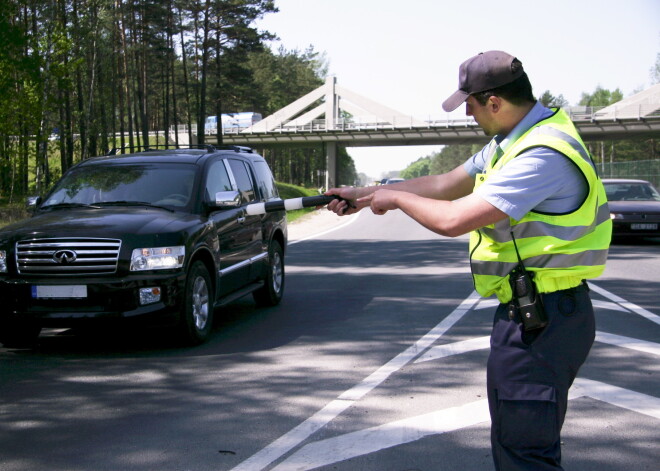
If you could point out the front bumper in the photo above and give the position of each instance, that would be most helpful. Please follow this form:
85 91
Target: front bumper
636 227
100 299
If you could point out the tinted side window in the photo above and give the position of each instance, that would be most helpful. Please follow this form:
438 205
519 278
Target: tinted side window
243 180
266 183
217 180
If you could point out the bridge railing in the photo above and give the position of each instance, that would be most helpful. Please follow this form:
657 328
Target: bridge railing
449 120
362 124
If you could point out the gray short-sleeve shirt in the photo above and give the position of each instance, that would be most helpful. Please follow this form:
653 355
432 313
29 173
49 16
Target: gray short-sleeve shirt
539 179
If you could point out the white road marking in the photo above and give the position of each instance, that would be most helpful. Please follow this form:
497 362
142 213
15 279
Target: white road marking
627 342
620 397
626 304
487 303
455 348
403 358
351 219
370 440
480 343
373 439
293 438
388 270
599 304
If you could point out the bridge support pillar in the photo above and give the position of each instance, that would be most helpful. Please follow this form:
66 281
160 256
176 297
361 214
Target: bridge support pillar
331 165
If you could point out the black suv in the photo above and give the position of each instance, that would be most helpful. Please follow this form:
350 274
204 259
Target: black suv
158 235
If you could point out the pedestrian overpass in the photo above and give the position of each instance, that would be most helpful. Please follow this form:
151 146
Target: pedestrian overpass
332 115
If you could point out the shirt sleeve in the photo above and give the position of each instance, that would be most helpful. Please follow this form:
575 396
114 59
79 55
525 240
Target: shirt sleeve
540 180
476 163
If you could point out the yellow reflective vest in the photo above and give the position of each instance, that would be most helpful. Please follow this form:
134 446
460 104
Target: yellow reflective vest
561 249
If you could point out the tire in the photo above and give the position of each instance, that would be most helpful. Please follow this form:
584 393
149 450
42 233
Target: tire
16 334
270 294
197 309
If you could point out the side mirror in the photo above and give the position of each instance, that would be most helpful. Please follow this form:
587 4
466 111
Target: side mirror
32 203
226 199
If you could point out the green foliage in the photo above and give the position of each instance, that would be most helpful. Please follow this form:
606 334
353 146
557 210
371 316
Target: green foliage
600 97
78 77
287 191
451 157
286 76
655 70
622 150
551 101
346 171
419 168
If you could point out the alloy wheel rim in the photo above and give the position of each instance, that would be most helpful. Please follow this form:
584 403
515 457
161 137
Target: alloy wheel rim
278 274
200 303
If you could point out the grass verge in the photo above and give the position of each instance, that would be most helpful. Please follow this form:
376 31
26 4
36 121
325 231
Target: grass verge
292 191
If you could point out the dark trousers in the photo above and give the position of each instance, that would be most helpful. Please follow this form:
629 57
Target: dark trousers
529 375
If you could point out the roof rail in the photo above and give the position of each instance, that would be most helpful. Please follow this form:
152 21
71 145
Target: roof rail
116 150
236 148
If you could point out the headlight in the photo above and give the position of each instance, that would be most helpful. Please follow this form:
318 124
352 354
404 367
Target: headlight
158 258
3 261
616 216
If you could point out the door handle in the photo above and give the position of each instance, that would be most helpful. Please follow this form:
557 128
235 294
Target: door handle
241 219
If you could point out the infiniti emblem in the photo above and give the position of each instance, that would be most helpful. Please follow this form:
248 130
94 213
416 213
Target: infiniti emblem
65 256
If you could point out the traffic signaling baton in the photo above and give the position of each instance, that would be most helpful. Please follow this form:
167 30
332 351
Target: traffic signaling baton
292 203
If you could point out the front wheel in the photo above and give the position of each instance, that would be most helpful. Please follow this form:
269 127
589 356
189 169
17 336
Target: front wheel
270 294
197 309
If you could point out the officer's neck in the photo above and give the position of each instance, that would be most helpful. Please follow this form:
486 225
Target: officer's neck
511 115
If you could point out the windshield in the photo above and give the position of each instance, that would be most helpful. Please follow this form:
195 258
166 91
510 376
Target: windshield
631 192
167 185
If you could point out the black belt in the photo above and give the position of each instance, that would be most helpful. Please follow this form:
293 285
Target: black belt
513 311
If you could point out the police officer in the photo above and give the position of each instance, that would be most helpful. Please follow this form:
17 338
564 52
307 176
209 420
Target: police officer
535 208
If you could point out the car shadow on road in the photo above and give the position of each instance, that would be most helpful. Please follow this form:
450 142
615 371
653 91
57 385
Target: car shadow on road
327 282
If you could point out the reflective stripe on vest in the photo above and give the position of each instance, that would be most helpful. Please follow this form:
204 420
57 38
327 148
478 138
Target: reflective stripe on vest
562 249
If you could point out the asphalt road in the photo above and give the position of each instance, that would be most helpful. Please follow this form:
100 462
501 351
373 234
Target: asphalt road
374 361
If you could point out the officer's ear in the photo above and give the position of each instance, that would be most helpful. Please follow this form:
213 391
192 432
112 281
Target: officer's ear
494 104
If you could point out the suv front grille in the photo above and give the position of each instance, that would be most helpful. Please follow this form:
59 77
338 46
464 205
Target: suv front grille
71 256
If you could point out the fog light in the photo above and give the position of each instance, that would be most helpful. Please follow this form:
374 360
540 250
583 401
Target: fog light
149 295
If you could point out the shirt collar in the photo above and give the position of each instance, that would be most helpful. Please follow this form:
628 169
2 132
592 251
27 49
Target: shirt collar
536 114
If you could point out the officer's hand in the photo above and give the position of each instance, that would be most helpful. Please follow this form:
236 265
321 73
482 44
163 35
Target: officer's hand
381 201
347 205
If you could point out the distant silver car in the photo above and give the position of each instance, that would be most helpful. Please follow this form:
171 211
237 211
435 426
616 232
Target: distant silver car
634 207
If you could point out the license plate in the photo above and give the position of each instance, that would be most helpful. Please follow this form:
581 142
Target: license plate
644 227
59 292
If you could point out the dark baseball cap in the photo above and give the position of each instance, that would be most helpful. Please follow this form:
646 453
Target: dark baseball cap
485 71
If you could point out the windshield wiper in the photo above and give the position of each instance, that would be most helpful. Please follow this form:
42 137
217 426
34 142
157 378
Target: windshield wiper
133 203
69 205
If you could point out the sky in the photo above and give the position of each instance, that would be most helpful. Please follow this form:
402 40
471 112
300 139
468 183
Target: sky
406 54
